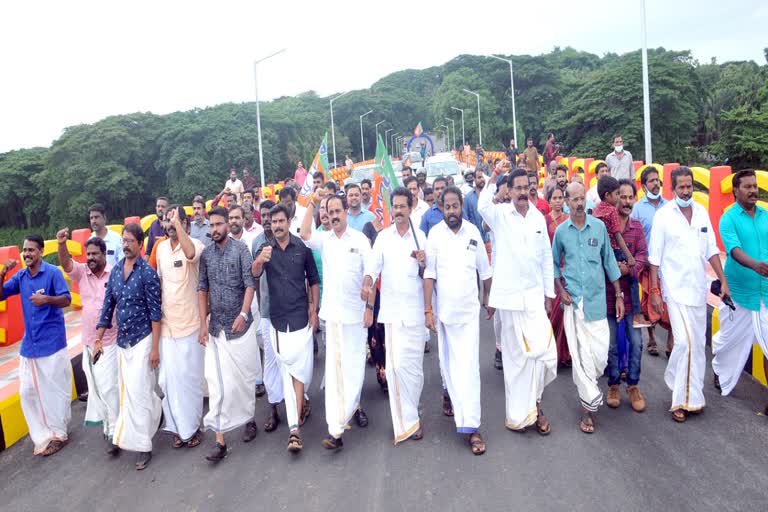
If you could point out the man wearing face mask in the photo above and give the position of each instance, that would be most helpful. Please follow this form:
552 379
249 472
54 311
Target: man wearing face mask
682 242
455 256
744 229
522 294
619 161
92 278
644 210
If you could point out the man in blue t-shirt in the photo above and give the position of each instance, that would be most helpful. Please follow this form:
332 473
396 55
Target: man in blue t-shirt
45 372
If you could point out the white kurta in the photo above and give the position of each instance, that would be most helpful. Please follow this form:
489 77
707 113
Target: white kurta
45 389
295 360
529 355
588 343
181 371
103 390
731 346
230 371
688 362
140 407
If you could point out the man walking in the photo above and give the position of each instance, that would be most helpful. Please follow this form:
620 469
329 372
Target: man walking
133 298
682 242
581 243
45 372
434 215
357 216
454 259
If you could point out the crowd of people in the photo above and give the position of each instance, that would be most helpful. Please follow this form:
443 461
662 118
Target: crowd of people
234 302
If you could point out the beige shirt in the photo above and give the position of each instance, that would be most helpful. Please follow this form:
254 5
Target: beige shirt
178 281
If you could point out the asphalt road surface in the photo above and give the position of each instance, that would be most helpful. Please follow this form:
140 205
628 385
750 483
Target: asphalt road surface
644 462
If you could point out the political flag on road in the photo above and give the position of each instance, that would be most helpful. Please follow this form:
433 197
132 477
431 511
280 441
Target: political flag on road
384 183
320 163
418 130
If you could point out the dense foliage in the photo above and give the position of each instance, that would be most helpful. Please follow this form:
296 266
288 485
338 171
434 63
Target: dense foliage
701 113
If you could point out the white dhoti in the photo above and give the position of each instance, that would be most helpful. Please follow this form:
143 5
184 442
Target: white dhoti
687 363
45 389
295 359
230 371
588 343
344 373
140 407
529 355
405 376
181 371
459 353
103 390
732 344
497 327
272 380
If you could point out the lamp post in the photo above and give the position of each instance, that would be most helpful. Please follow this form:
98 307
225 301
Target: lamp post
479 126
333 132
447 135
377 129
362 139
392 143
453 124
386 138
258 111
646 93
463 138
511 93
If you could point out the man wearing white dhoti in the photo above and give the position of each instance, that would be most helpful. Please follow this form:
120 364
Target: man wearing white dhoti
45 373
455 256
343 251
178 259
582 243
522 294
744 230
399 256
289 267
133 298
682 242
92 277
225 290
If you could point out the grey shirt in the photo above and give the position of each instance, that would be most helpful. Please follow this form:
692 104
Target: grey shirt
262 280
621 168
225 274
201 232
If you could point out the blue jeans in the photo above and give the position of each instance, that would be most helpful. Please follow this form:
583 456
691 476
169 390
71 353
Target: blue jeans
634 287
635 339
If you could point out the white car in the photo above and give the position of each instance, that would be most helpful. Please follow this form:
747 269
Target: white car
444 165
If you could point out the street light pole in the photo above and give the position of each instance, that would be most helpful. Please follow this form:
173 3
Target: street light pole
479 126
453 124
447 134
362 139
512 93
333 131
646 92
258 111
463 137
377 130
386 139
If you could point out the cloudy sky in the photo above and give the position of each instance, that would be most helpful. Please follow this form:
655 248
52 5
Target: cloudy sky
66 63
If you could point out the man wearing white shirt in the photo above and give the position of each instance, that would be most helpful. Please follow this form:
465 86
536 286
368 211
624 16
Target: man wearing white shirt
287 197
421 206
682 242
455 255
522 294
344 251
620 161
398 255
234 185
97 215
237 229
593 198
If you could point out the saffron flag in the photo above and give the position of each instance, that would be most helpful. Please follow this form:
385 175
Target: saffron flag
320 163
418 130
384 184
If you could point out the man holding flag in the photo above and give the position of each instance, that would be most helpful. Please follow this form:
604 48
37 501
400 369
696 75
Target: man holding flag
319 164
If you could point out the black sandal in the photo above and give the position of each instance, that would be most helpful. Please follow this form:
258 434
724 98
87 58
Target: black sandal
539 428
195 440
295 443
53 447
177 442
272 422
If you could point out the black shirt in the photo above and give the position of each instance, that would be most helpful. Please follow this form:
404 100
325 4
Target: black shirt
288 271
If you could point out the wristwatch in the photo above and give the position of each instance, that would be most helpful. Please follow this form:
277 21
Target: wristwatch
621 295
244 315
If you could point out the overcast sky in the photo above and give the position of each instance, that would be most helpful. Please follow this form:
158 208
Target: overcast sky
66 63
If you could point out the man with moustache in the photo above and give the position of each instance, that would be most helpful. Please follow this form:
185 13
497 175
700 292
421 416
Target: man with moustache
682 242
226 289
365 191
398 256
343 251
581 243
538 202
522 295
420 206
237 229
97 215
454 259
133 298
744 229
434 215
287 197
45 372
200 228
182 371
357 216
251 214
92 277
293 296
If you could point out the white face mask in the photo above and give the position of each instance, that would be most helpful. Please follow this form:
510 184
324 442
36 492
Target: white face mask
650 195
619 148
683 203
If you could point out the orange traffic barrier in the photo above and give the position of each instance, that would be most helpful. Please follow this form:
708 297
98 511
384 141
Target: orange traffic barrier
11 319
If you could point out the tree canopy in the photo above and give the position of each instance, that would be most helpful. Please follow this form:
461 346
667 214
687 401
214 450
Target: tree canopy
701 113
